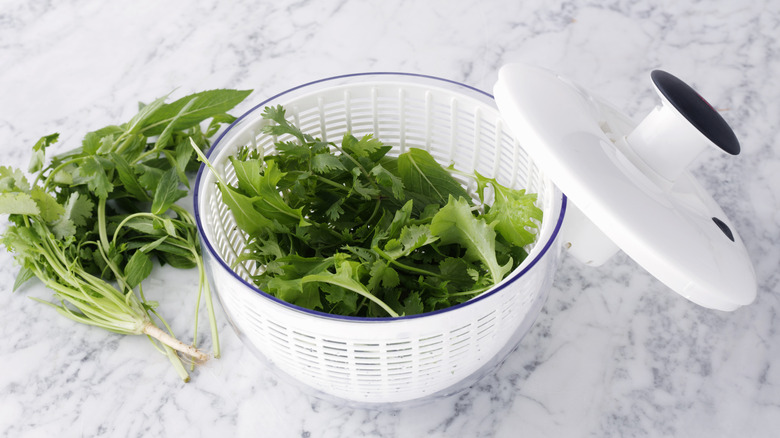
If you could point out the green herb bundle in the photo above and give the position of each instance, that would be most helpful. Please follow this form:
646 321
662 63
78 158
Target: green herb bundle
348 230
94 219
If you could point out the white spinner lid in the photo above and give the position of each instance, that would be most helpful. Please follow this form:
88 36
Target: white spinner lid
632 180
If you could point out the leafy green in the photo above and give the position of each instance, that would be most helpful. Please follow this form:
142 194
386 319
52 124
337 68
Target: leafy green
96 217
350 230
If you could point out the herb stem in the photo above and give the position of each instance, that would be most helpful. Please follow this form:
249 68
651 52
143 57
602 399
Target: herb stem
157 333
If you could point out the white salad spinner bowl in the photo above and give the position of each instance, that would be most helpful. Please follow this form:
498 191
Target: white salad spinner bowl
384 360
627 187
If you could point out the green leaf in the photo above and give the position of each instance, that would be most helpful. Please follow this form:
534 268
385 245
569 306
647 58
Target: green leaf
367 146
270 203
183 153
167 192
344 302
335 211
13 180
456 271
323 163
93 172
149 176
455 224
129 179
77 211
249 174
246 216
63 228
216 121
50 209
91 143
413 305
208 104
387 179
137 269
427 180
144 115
347 275
39 152
278 115
382 274
18 203
22 277
296 292
513 212
151 246
411 238
166 134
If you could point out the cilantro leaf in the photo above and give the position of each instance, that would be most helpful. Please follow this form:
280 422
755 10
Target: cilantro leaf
93 172
367 146
13 180
388 180
18 203
50 209
323 163
39 152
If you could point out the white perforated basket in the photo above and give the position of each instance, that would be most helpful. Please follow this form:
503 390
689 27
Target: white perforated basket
384 360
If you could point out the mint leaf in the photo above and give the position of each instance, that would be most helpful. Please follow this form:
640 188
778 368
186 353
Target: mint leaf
128 178
137 268
166 134
167 192
149 176
206 104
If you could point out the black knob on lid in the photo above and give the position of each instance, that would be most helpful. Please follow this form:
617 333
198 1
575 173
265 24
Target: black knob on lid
696 110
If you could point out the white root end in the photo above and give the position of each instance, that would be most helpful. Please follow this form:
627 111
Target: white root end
157 333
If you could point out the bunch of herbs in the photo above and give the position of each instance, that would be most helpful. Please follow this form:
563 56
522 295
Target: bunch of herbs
95 218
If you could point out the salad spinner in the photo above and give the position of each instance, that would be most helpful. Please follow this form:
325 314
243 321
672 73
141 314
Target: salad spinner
626 187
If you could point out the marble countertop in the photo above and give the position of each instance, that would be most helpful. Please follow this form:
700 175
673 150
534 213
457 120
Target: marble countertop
614 352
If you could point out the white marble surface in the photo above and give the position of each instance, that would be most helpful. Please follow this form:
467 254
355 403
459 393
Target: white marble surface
613 354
